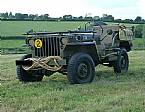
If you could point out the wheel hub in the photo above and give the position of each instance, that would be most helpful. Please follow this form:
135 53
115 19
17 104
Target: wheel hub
82 70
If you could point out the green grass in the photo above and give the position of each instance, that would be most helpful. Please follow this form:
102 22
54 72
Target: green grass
106 93
16 28
138 42
12 43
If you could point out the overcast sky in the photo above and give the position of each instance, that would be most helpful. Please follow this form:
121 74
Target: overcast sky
56 8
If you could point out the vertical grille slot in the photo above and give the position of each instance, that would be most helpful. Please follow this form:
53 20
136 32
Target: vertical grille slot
50 47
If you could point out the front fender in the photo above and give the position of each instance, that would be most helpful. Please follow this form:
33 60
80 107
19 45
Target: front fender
84 47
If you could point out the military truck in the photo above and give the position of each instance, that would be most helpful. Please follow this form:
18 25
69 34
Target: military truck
76 53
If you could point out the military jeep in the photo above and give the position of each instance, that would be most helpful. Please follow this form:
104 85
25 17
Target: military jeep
76 53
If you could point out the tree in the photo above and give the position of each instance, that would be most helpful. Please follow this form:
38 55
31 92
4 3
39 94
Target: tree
107 17
80 17
96 18
118 20
31 16
18 16
139 31
67 17
5 15
25 16
138 19
88 18
10 15
128 21
45 16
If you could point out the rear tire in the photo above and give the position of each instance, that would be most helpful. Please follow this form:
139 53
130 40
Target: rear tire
81 69
28 76
122 63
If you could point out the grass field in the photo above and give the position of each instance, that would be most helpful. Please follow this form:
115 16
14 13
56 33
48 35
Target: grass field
12 43
107 93
17 28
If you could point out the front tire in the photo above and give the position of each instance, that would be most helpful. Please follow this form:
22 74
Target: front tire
28 76
81 69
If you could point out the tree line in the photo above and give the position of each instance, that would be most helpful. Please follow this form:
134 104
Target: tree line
46 17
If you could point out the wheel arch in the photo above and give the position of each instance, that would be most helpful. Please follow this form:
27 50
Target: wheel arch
90 49
126 44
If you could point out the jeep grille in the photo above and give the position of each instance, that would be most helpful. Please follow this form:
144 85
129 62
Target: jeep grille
50 47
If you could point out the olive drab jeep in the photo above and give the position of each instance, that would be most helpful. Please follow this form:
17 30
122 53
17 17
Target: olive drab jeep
76 53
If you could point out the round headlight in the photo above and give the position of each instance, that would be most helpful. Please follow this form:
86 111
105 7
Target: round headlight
79 38
64 40
31 42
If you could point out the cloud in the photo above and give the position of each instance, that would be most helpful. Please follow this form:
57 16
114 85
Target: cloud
52 7
141 7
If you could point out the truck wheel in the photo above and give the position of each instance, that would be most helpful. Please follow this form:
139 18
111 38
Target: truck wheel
28 76
81 69
122 62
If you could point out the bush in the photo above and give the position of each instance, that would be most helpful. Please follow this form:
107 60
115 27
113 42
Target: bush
139 31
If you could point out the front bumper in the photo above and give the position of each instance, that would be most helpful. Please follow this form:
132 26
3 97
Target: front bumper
51 63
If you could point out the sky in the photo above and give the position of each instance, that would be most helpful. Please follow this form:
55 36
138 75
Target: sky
120 9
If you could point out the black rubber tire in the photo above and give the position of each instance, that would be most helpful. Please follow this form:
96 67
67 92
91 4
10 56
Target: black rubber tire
122 63
28 76
78 63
